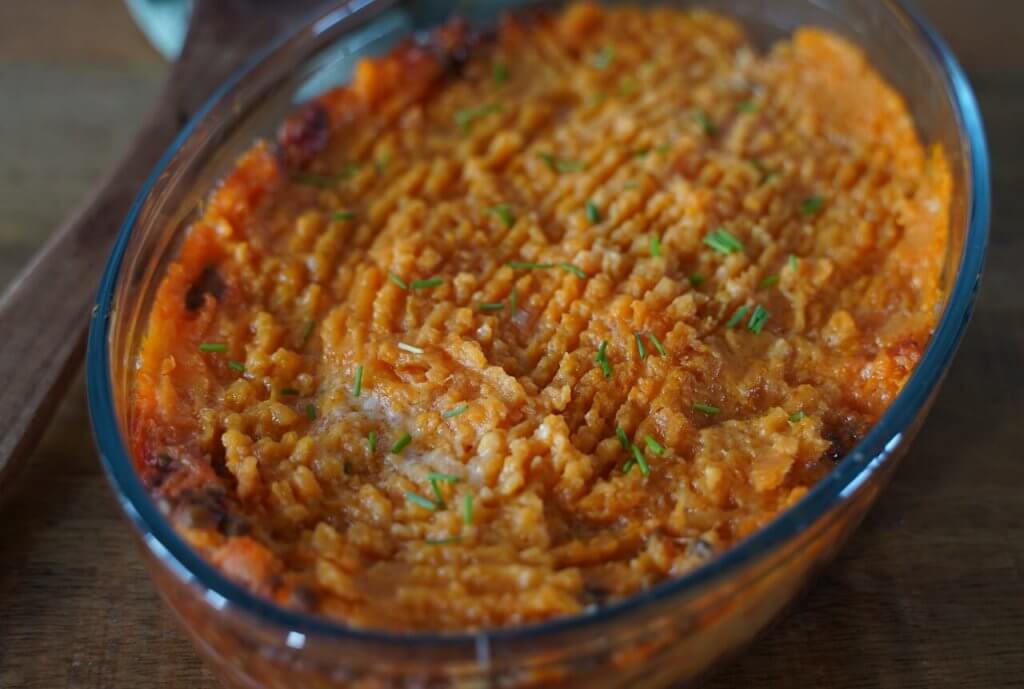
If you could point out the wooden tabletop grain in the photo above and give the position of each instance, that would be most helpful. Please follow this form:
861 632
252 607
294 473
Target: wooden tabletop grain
929 593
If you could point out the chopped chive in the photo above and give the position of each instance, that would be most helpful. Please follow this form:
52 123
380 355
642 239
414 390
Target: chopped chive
654 446
311 411
604 58
504 213
466 117
628 86
642 152
446 478
500 73
706 408
812 205
418 499
438 497
792 262
748 107
757 319
638 455
467 509
357 387
655 245
443 541
797 417
307 330
570 268
522 265
455 411
412 349
640 346
236 366
737 316
401 443
429 283
696 279
706 125
490 308
343 215
397 280
662 148
761 169
312 180
561 164
593 214
216 347
290 392
371 441
602 359
623 438
628 466
769 281
723 241
657 344
514 299
382 162
349 171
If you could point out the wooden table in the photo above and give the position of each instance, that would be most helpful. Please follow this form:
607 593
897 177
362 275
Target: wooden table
929 593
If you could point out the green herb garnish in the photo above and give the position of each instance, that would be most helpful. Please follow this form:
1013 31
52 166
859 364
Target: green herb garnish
213 347
628 86
311 411
797 417
757 319
401 443
504 213
696 279
561 164
357 387
307 330
602 359
466 117
398 280
570 268
438 497
748 107
604 58
722 241
623 438
593 214
443 541
812 205
706 408
638 456
490 308
792 262
343 215
371 441
657 344
447 478
500 73
706 125
236 366
640 346
382 162
523 265
467 510
310 179
428 283
654 446
455 411
514 299
655 245
737 316
418 499
290 392
769 281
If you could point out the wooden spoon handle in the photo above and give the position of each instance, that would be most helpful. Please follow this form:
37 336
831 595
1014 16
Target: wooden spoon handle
45 311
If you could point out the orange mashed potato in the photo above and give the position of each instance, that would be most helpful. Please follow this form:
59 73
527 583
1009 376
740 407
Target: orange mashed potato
517 324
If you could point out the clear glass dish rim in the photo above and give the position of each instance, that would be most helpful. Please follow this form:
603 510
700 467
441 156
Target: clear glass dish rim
839 485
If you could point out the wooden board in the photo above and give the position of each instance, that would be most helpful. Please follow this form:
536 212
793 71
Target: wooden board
929 593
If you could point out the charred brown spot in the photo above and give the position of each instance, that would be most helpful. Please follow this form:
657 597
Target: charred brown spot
208 282
157 469
596 595
304 135
210 508
843 436
304 598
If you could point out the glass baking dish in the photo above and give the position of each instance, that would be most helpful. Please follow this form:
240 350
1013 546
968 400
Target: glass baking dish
661 637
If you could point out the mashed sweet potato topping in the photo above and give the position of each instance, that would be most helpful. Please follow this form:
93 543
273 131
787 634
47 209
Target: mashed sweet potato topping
516 324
